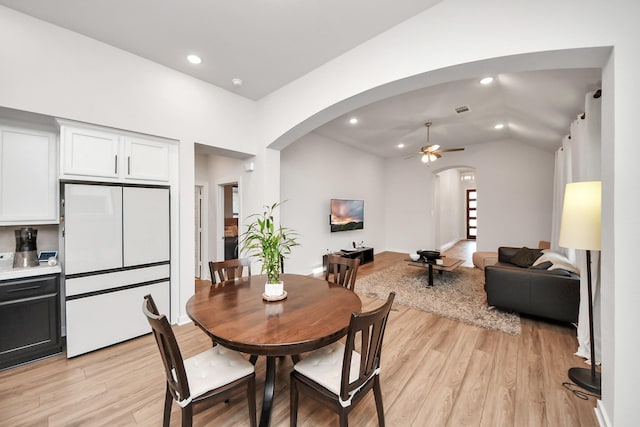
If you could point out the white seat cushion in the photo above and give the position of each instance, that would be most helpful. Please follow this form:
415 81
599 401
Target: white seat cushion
324 366
214 368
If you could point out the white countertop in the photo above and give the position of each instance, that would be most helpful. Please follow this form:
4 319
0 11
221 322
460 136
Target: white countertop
18 273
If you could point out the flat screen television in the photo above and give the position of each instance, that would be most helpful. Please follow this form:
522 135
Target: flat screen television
347 215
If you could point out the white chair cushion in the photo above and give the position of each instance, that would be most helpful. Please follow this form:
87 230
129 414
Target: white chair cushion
214 368
324 366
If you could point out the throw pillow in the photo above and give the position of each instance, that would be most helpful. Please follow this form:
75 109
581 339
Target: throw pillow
558 261
525 257
564 266
542 266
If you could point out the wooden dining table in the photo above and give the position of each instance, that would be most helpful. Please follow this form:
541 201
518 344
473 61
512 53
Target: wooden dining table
314 314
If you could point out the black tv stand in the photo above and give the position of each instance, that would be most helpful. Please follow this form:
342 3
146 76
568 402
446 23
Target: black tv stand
365 255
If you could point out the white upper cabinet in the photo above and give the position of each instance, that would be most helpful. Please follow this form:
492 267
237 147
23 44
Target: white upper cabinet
94 153
28 176
90 152
146 159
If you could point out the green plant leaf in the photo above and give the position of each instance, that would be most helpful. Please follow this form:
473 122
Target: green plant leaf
268 243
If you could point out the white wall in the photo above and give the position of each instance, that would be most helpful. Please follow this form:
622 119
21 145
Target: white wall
201 178
515 191
515 195
451 209
314 170
515 181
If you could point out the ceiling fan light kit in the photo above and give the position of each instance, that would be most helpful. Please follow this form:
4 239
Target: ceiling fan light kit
431 153
426 158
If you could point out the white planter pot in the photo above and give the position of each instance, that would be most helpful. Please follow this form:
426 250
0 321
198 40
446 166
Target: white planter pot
274 289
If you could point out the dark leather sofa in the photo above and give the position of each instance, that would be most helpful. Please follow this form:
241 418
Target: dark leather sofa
552 294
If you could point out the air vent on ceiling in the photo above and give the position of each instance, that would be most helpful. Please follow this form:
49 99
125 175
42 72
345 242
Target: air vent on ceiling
462 109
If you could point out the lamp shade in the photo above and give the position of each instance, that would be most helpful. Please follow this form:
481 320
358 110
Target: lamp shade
580 225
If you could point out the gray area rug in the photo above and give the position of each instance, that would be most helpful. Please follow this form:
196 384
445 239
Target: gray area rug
458 294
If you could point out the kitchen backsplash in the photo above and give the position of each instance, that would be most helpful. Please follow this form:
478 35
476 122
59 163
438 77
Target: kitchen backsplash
47 237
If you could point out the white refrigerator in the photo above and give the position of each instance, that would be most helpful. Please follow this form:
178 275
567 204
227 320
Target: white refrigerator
116 251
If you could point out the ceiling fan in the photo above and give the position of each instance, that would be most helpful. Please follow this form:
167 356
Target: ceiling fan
431 153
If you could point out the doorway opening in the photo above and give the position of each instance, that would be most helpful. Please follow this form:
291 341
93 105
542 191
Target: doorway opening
229 213
455 202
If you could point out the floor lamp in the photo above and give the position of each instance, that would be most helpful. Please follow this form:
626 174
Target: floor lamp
580 229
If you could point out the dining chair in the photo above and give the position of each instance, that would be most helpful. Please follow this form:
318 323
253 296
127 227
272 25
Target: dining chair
213 374
342 271
338 375
222 271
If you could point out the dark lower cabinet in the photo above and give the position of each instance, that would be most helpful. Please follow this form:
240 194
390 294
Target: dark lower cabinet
29 319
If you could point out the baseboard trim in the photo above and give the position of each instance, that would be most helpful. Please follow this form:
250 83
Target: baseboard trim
449 245
601 415
184 319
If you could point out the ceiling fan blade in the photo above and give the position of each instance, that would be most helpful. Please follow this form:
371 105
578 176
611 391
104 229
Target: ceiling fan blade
450 149
435 153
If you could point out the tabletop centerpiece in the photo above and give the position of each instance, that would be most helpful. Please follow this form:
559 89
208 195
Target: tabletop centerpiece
270 244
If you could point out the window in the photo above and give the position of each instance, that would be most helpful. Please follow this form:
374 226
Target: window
472 214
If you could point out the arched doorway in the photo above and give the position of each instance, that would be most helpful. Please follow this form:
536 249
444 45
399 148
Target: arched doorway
455 215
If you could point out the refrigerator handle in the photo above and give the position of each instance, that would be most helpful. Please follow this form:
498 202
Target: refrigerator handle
116 164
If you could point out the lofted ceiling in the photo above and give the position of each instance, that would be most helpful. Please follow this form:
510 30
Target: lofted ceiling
265 43
535 107
268 44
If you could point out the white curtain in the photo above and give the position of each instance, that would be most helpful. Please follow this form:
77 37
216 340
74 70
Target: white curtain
579 160
561 178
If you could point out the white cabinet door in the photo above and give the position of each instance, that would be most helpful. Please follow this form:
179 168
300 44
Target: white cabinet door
146 159
145 225
92 228
95 153
90 152
28 177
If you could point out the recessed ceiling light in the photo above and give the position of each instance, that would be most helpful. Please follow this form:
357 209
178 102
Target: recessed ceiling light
236 81
353 120
486 81
400 145
498 126
194 59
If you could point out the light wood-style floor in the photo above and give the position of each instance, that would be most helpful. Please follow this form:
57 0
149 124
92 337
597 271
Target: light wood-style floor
435 372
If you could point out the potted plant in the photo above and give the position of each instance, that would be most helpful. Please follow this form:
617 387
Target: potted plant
269 244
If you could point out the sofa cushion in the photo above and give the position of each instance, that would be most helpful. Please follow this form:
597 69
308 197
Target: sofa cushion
482 259
561 272
525 257
542 266
558 261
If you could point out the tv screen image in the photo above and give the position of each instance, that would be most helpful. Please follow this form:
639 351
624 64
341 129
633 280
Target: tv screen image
347 215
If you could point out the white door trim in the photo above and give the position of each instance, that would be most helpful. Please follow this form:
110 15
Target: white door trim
204 249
